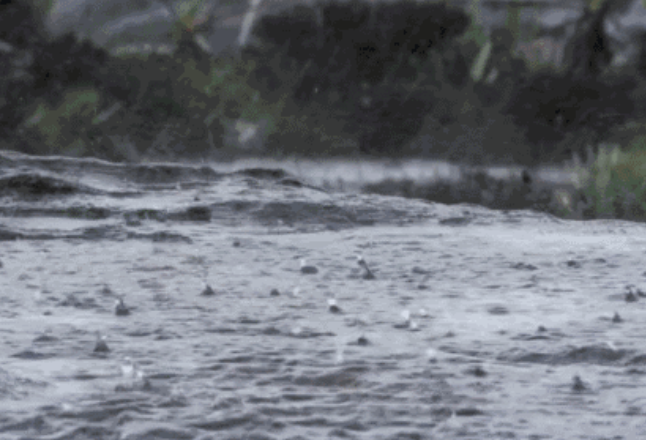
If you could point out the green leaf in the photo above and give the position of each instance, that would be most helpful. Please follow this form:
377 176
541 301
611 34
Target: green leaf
79 103
474 11
594 5
513 20
478 68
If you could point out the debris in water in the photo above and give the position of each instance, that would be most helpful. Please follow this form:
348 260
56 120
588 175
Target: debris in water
105 290
207 291
577 384
477 371
367 274
101 346
332 306
630 295
120 308
307 268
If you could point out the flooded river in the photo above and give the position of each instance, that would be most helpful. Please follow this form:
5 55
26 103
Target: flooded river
255 305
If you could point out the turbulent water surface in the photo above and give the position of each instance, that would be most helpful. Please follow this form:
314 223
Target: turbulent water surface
474 324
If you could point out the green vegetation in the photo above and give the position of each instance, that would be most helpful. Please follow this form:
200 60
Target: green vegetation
69 120
466 97
614 185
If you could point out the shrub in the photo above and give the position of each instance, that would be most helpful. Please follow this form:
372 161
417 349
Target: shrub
614 186
551 105
63 129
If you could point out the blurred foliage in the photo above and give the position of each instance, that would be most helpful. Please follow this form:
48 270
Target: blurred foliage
475 31
188 11
62 129
188 18
391 79
478 68
513 23
368 62
594 5
614 186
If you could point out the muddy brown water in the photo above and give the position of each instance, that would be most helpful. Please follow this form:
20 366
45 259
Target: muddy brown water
506 309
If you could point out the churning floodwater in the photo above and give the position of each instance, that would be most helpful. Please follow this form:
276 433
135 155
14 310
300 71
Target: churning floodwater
246 313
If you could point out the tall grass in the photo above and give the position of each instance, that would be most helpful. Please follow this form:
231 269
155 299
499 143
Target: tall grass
613 184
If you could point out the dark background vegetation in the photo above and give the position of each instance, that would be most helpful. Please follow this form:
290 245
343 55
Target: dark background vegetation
333 79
